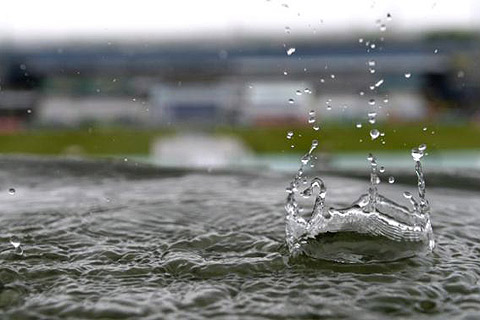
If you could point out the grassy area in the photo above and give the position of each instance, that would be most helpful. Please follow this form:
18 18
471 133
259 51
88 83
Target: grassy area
332 138
342 138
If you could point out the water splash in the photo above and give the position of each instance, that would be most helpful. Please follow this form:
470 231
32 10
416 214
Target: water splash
373 228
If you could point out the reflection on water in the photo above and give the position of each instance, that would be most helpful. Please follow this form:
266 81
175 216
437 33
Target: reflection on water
122 240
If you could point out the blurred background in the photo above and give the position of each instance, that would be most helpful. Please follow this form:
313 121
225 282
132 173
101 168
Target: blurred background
244 83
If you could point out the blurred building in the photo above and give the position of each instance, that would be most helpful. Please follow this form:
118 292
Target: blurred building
244 84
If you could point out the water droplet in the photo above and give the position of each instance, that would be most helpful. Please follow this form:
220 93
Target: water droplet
391 179
289 134
287 30
422 147
311 120
314 143
435 51
285 73
407 195
329 107
408 75
291 101
383 28
371 63
15 241
424 129
298 93
385 100
372 117
379 83
362 93
374 133
373 46
358 125
322 80
372 87
332 76
316 127
372 71
11 191
306 90
360 40
417 154
371 102
291 51
389 17
311 113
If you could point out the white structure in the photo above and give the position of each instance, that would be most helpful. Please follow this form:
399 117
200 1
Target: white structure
63 110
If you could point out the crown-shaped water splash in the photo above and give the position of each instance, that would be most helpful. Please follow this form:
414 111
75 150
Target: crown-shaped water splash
372 215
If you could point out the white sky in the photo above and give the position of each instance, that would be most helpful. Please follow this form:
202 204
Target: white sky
22 20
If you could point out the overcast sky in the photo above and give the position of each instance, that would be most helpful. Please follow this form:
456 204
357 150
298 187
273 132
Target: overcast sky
22 20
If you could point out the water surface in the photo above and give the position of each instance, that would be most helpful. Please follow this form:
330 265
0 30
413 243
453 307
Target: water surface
104 240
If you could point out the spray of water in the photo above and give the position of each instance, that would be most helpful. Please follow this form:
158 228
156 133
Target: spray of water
406 231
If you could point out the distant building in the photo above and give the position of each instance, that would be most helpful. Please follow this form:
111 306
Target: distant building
246 84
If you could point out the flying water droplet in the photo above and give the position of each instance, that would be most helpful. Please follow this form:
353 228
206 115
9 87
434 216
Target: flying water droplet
374 133
329 107
289 134
372 63
291 101
12 191
391 179
389 17
291 51
358 125
371 102
311 120
316 127
298 93
15 241
306 90
379 83
360 40
382 169
383 28
287 30
372 117
435 51
408 75
311 113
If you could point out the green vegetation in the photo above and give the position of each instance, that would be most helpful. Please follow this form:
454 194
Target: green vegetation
332 138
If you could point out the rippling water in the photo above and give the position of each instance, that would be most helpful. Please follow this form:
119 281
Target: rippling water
120 240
